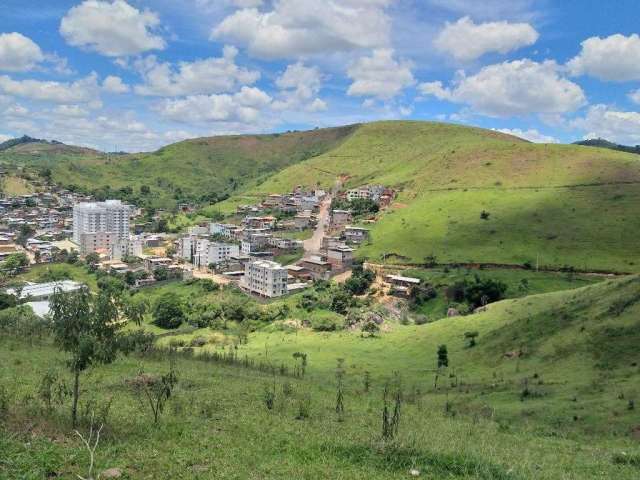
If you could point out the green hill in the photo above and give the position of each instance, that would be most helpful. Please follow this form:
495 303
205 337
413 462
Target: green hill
548 392
558 204
200 170
602 143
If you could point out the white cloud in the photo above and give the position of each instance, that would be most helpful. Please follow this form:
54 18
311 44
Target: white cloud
16 110
531 134
73 111
211 75
299 87
111 28
520 87
113 84
85 90
614 58
466 40
18 53
635 96
244 107
295 28
616 126
379 75
4 138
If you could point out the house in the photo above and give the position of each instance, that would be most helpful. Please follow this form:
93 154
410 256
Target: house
341 217
298 273
224 229
401 286
151 264
317 267
265 278
302 220
356 234
340 257
371 192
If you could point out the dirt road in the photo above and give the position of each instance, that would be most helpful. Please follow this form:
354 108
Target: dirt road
313 244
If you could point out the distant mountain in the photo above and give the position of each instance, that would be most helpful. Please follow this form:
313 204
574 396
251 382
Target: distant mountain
602 143
27 145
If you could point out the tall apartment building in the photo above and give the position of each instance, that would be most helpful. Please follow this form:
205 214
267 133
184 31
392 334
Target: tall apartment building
265 278
97 225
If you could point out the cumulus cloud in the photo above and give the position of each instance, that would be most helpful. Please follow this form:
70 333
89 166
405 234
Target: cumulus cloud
634 96
201 77
602 121
614 58
18 53
294 28
113 84
379 75
520 87
16 110
84 90
73 111
244 106
466 40
111 28
299 86
531 134
4 138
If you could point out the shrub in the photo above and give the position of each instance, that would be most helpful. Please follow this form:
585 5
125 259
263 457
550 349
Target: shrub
323 321
168 311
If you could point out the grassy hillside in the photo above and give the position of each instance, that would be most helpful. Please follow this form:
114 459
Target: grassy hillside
194 170
562 204
561 409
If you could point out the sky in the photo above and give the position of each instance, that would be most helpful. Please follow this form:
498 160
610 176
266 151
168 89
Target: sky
134 75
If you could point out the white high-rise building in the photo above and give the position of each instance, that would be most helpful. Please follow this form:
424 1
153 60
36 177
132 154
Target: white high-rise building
203 252
266 278
109 219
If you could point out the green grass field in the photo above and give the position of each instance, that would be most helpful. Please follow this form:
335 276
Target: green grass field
579 362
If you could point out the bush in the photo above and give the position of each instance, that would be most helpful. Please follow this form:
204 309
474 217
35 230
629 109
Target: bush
326 321
168 311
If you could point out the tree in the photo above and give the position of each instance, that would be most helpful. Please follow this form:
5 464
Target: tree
92 260
421 294
24 234
156 390
135 307
7 301
15 263
443 356
168 311
470 337
87 328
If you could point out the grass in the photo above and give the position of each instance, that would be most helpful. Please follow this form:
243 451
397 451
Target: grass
578 357
58 271
14 186
540 198
191 169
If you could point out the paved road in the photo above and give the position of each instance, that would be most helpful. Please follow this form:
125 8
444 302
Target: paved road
313 244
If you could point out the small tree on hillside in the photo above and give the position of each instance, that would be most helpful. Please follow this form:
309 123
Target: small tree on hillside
87 328
168 311
92 259
135 307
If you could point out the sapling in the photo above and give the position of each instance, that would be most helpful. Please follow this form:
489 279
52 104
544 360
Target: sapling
340 372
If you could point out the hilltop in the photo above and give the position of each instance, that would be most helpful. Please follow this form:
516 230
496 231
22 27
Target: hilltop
602 143
560 205
201 170
26 145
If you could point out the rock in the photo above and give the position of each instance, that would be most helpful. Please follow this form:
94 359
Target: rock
111 473
453 312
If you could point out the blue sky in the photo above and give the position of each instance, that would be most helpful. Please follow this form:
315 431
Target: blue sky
138 74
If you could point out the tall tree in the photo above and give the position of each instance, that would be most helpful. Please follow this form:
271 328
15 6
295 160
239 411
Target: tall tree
85 326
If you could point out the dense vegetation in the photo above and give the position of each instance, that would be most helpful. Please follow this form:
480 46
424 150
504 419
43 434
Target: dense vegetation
602 143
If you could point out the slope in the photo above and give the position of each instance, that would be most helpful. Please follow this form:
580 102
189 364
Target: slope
198 170
559 204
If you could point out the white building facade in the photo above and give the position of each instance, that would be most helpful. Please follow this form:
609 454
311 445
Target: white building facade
265 278
102 222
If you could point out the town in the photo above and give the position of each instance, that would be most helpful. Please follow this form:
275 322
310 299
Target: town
54 224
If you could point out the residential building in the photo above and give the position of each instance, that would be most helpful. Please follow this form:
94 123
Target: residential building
356 234
401 286
341 217
265 278
340 257
317 267
97 225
